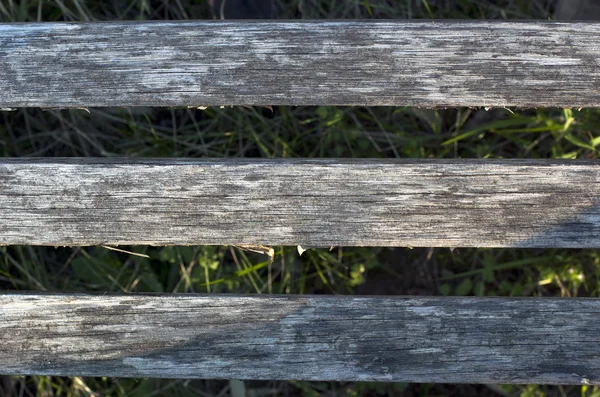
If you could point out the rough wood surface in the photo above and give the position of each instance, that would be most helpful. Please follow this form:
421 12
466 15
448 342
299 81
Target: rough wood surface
424 63
463 340
314 203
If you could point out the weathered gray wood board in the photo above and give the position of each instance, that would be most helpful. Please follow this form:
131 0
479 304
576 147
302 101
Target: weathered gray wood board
424 63
462 340
314 203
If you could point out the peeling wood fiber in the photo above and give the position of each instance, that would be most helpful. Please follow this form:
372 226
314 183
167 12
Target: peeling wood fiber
313 203
402 339
400 63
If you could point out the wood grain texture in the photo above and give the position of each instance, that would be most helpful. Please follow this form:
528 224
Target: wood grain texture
463 340
313 203
416 63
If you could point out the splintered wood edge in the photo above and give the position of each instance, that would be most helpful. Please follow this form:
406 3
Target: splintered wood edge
258 204
361 63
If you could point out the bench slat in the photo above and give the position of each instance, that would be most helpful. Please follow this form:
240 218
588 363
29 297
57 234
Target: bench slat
313 203
416 63
462 340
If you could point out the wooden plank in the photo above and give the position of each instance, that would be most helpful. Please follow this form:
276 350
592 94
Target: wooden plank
314 203
429 339
416 63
